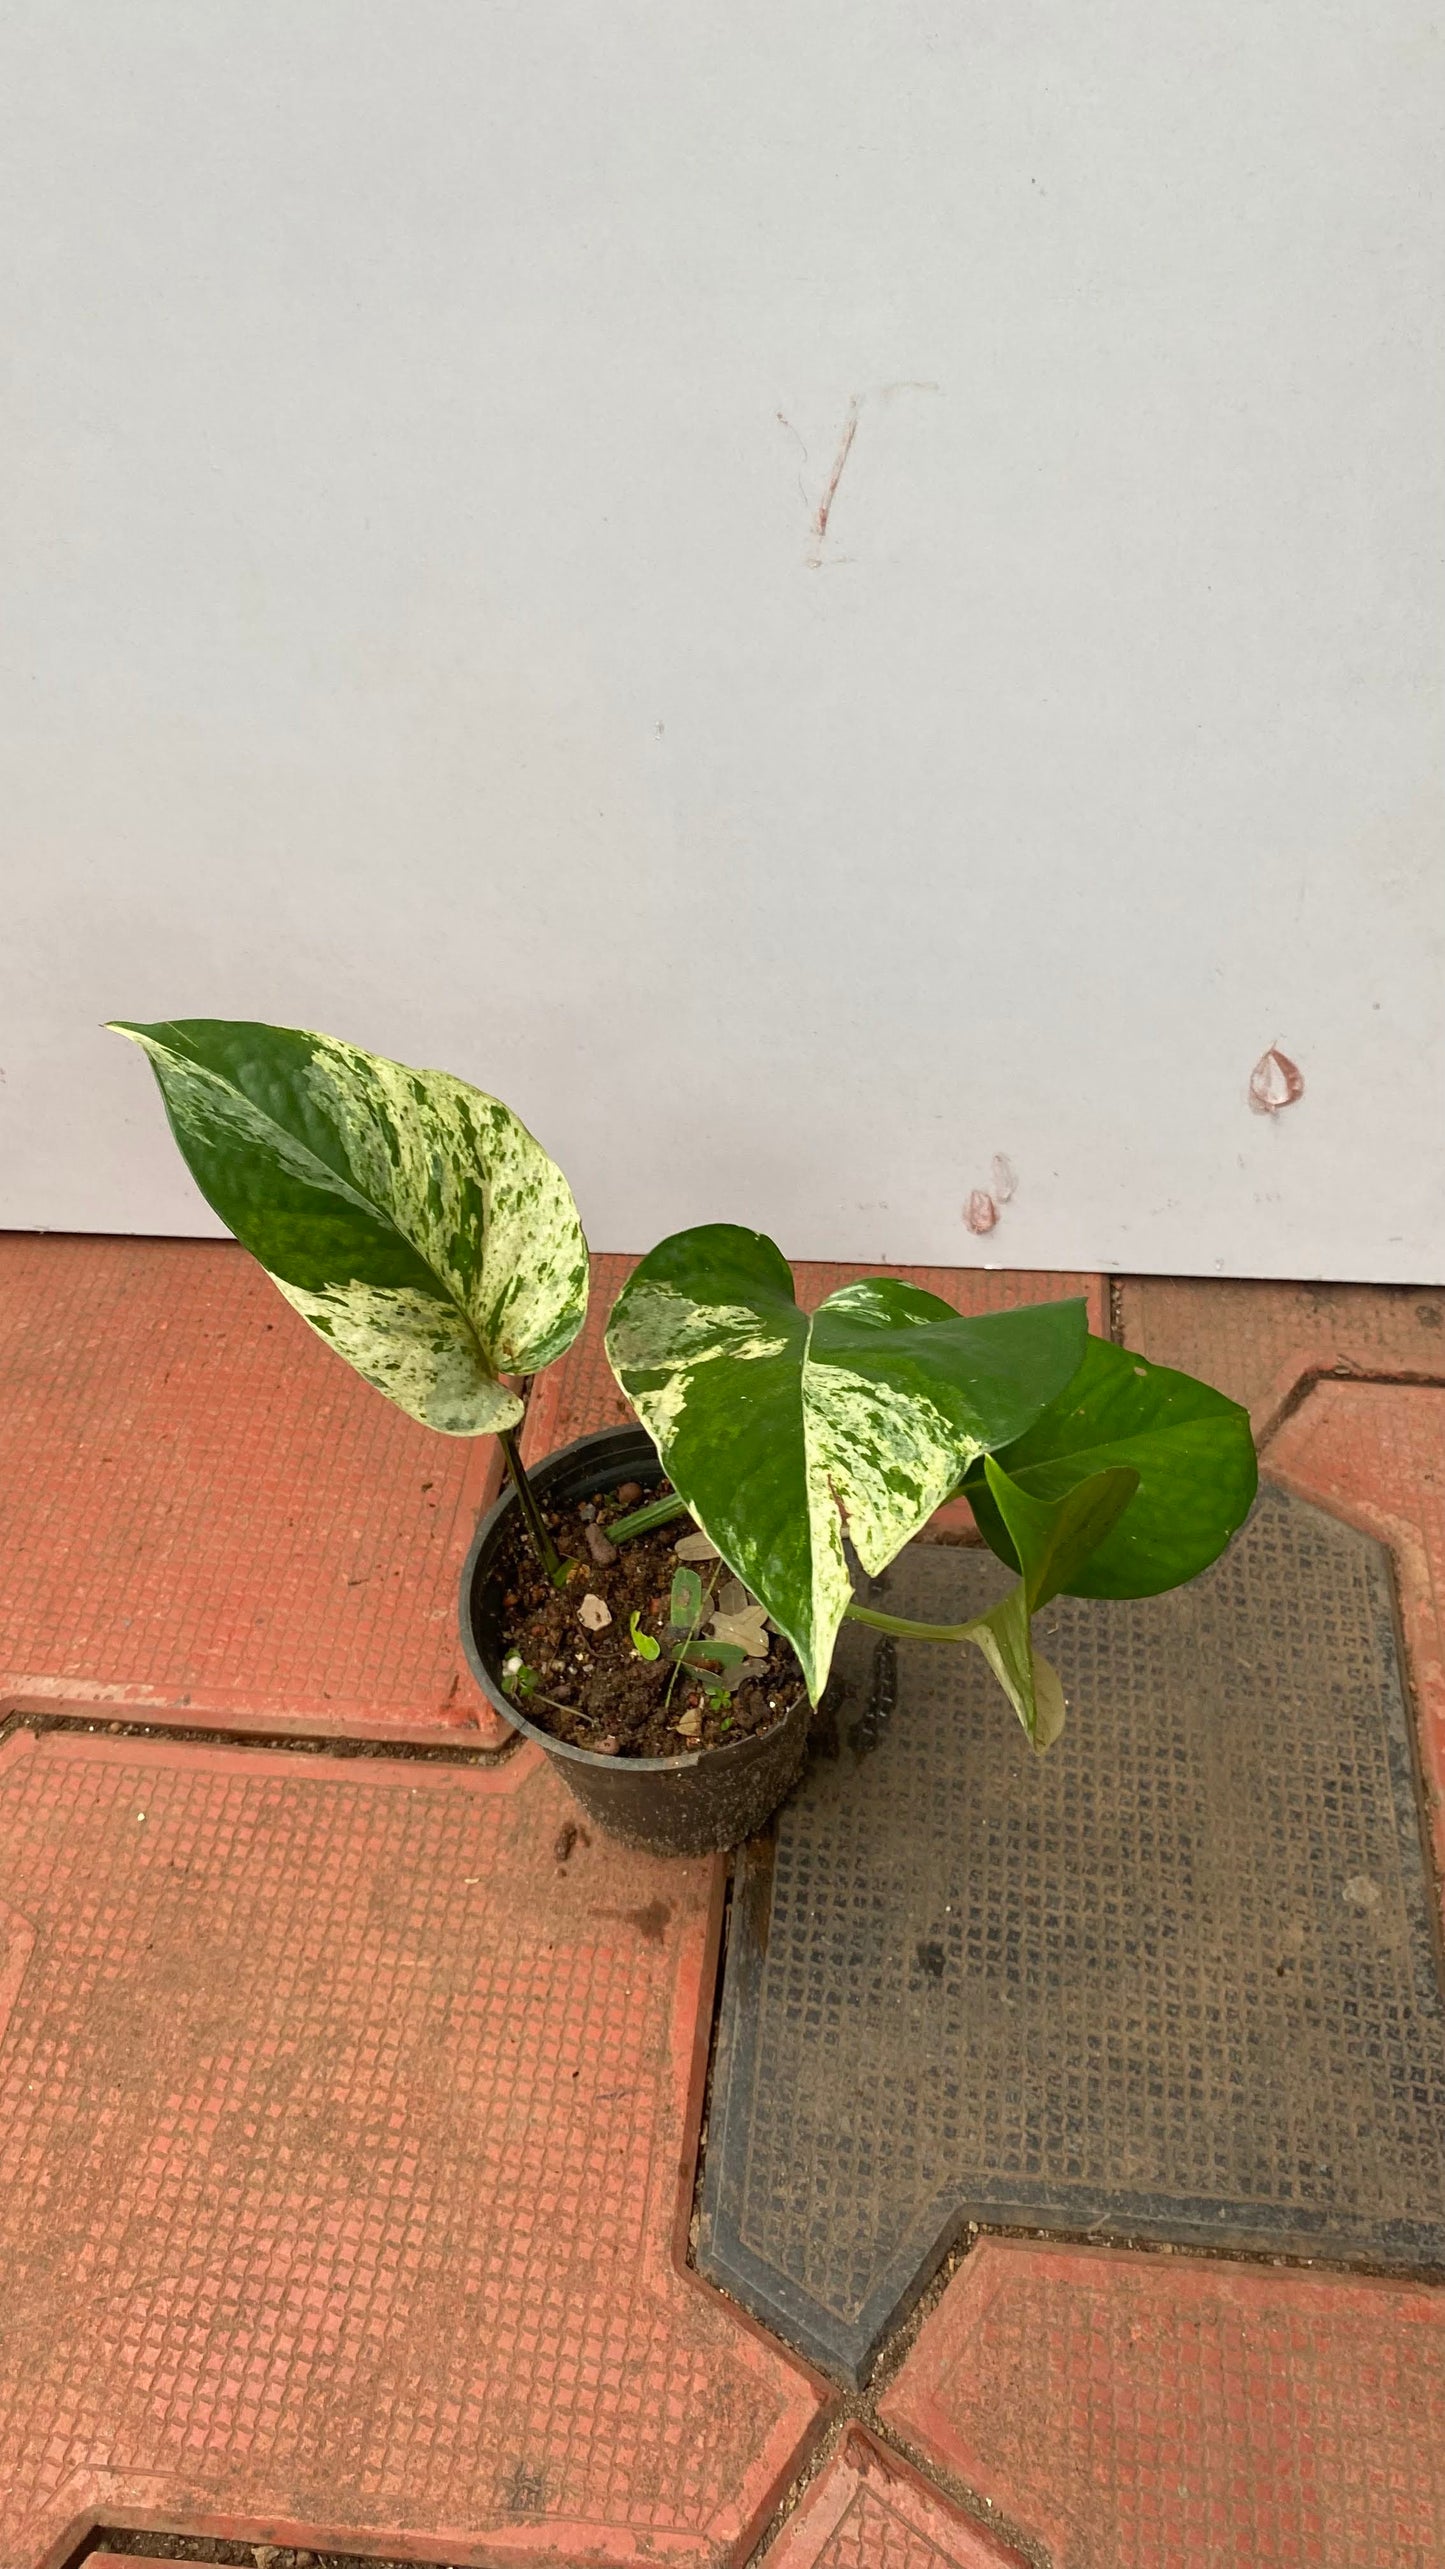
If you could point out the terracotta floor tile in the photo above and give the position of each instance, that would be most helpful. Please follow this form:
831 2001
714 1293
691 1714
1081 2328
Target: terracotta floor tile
1135 2412
1375 1453
342 2129
1260 1342
206 1515
867 2510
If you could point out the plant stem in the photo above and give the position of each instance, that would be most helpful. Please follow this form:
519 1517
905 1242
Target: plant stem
907 1631
642 1520
542 1543
573 1712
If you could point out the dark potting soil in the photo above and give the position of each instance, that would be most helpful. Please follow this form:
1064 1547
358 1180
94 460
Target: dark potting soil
593 1689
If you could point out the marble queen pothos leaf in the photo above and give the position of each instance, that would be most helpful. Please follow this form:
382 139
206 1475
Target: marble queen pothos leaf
411 1219
780 1430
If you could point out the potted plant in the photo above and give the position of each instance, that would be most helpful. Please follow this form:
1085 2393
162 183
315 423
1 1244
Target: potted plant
786 1438
779 1433
419 1228
416 1224
677 1689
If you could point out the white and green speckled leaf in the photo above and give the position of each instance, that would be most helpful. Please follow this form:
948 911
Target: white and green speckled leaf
783 1431
411 1219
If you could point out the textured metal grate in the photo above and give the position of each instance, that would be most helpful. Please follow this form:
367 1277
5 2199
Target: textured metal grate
1177 1980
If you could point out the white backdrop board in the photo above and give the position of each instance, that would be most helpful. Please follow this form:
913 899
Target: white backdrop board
817 596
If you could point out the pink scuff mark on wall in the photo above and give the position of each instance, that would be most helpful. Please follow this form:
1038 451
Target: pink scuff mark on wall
980 1213
824 508
1275 1083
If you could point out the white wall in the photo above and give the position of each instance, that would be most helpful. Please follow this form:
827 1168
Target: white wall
412 627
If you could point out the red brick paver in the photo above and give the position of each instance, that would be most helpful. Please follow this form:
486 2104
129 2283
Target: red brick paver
1135 2412
343 2113
1375 1453
206 1515
1261 1342
867 2510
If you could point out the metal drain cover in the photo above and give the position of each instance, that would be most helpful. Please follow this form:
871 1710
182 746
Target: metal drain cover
1175 1981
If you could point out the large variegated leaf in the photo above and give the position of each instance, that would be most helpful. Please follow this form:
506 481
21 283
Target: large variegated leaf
781 1431
1189 1445
412 1220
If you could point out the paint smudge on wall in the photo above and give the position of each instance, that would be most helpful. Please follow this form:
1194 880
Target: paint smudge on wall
830 492
820 515
986 1203
1274 1083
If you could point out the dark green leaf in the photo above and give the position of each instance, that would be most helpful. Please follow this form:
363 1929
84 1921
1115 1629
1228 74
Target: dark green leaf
710 1654
1053 1538
1189 1445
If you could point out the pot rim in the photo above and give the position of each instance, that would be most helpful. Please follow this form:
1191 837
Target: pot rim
486 1532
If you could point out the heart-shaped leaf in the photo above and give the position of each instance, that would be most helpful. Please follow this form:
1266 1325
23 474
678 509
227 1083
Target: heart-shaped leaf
412 1220
1190 1446
781 1431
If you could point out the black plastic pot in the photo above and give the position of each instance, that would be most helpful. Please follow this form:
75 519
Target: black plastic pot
690 1805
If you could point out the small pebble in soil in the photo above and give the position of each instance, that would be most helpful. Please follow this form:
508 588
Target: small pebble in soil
629 1494
603 1552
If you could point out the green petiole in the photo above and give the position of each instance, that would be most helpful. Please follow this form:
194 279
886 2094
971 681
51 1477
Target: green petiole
908 1631
642 1520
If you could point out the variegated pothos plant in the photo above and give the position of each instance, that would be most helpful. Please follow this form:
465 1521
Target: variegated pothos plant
411 1219
417 1226
784 1432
